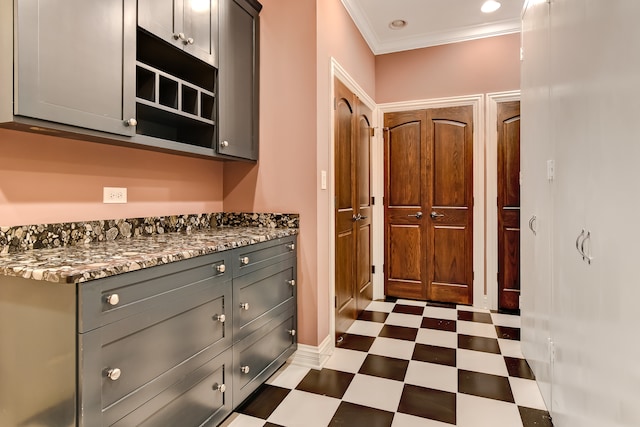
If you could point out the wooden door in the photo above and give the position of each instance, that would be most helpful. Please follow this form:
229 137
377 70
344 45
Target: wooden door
364 250
509 205
345 208
429 204
405 177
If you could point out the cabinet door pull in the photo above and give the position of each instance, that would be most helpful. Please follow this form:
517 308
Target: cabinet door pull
131 122
245 369
244 306
113 299
292 282
586 257
292 332
113 373
220 268
220 318
244 260
532 222
579 241
291 246
220 387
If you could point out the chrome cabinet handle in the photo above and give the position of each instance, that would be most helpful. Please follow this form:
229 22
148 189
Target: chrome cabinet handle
220 268
586 257
244 260
113 299
291 246
292 282
292 332
188 41
579 240
220 387
224 144
244 306
220 318
131 122
435 214
113 374
245 369
531 225
417 215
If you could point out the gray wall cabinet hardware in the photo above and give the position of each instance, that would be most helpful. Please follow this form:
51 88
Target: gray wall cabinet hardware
166 345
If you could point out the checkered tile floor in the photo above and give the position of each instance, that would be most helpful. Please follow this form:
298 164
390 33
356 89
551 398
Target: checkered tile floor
408 363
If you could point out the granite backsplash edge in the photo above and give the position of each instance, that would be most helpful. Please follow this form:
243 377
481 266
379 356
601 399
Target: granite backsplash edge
45 236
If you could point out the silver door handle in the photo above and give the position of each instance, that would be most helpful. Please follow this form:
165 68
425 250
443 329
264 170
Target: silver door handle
531 225
417 215
435 214
586 257
580 244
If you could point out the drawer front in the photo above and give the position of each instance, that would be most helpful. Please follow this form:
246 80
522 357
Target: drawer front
260 354
147 348
114 298
202 398
251 258
256 294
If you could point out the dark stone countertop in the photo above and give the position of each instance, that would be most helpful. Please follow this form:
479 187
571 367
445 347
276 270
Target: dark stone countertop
85 262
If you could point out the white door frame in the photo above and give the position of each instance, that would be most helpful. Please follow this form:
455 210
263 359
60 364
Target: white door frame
493 99
477 102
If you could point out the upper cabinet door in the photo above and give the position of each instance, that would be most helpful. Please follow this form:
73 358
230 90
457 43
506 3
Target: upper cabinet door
76 71
238 79
190 25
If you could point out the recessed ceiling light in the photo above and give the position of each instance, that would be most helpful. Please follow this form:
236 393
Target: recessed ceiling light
490 6
397 24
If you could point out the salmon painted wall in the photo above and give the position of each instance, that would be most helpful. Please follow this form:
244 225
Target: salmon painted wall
284 179
45 179
466 68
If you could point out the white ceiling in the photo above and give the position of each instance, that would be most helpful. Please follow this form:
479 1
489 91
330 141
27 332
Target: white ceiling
430 22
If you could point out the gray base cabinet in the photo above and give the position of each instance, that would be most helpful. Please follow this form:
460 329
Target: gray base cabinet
177 344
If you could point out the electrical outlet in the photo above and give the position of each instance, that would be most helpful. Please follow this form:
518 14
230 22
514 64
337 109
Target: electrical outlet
114 195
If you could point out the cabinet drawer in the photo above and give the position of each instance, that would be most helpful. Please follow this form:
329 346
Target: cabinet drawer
149 349
260 354
252 258
199 399
257 293
114 298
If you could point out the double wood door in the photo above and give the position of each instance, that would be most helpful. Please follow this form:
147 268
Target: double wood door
353 232
429 204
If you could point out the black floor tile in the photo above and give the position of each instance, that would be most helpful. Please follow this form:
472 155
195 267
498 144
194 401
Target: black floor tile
399 332
428 403
433 354
508 333
469 342
519 368
439 324
352 415
441 304
485 385
472 316
264 401
384 367
373 316
535 417
271 425
390 299
356 342
408 309
326 382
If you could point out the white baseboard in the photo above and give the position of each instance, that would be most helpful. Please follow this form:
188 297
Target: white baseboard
311 356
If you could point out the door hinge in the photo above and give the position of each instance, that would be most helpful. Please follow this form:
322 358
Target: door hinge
373 131
473 275
336 301
373 269
383 201
373 201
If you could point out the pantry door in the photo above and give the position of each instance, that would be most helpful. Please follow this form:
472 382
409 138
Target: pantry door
429 204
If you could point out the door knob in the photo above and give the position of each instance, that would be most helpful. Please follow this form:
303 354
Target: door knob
435 214
417 215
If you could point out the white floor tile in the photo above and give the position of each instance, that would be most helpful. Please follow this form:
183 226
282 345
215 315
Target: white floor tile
411 302
406 420
400 349
479 361
526 393
476 328
441 313
401 319
473 411
242 420
437 338
362 327
510 348
506 320
380 393
302 409
289 377
469 308
432 375
385 307
346 360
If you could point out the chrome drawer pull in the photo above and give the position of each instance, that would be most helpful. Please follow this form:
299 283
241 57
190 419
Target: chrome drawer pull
113 299
291 246
581 235
292 332
113 374
220 268
220 318
245 369
244 260
244 306
220 387
292 282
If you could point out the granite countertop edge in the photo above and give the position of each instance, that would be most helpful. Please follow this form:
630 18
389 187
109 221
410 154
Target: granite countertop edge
83 263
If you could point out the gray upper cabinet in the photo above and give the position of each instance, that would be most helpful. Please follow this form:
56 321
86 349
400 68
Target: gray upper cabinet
76 71
238 78
188 24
